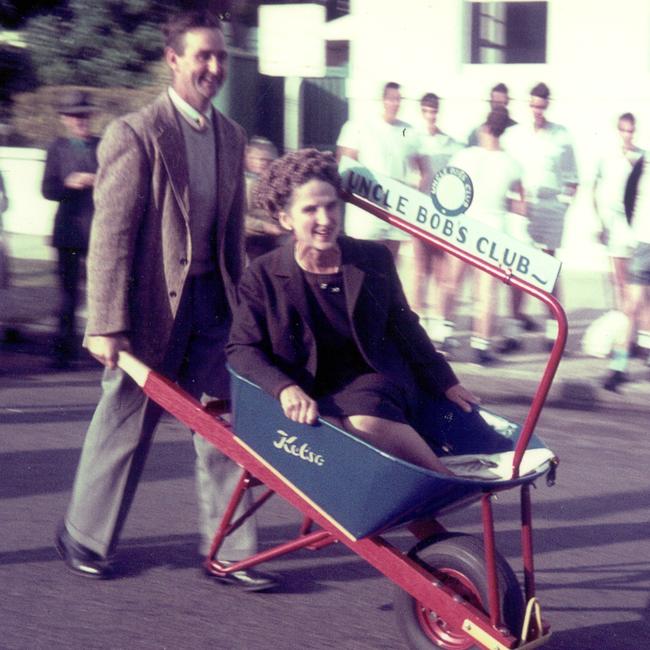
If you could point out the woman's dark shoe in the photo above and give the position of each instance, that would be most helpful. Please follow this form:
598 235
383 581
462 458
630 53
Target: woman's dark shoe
12 336
528 324
246 580
79 559
485 358
510 344
614 380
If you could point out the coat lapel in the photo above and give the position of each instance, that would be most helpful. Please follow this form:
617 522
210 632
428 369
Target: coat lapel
172 151
353 276
291 276
227 163
366 291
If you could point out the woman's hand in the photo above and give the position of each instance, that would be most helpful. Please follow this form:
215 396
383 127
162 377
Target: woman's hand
297 405
461 396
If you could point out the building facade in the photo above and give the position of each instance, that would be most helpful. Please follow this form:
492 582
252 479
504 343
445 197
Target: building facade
594 56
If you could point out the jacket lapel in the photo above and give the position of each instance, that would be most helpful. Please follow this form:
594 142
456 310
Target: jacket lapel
353 276
290 275
227 177
352 269
172 151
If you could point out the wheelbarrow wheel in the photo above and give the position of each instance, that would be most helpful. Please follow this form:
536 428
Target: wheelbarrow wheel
458 562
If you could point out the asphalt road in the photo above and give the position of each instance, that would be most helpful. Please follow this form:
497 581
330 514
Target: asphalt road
592 544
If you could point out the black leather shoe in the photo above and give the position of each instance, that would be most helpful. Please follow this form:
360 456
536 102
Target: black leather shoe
485 358
614 380
528 324
246 580
510 344
79 559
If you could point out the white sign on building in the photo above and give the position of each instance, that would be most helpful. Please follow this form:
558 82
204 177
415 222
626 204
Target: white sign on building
291 40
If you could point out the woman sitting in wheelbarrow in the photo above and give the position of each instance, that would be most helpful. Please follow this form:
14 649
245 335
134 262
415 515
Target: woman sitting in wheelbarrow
324 326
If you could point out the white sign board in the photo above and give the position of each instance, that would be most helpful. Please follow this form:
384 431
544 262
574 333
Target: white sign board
291 40
430 215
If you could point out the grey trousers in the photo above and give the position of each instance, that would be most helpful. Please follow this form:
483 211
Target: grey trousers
121 431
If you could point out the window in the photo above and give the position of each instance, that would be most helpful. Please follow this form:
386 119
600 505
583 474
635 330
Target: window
508 32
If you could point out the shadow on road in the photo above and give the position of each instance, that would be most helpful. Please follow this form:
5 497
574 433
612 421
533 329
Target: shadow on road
624 635
27 473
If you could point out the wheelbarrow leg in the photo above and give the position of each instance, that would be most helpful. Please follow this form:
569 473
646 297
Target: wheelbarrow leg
527 542
227 526
490 560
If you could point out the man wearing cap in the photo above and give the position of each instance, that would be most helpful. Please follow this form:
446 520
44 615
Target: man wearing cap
165 257
69 179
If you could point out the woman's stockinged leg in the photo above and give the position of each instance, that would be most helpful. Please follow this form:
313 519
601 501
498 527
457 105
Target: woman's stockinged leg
400 440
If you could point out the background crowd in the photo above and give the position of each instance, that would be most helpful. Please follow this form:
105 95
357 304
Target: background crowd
525 178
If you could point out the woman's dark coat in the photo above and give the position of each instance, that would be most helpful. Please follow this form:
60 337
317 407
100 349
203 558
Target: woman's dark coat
272 342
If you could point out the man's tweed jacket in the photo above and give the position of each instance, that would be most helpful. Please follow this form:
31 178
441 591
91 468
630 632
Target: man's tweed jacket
140 246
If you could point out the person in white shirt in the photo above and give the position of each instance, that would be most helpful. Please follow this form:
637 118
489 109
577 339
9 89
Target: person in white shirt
612 173
432 295
550 176
498 97
638 277
386 145
495 176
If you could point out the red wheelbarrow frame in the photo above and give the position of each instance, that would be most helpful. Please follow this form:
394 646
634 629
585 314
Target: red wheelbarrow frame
407 573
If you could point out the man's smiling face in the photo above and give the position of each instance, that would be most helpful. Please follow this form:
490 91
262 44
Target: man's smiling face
200 69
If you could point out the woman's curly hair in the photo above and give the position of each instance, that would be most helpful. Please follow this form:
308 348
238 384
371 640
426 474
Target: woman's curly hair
273 190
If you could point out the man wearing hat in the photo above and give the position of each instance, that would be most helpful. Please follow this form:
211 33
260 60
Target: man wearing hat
69 178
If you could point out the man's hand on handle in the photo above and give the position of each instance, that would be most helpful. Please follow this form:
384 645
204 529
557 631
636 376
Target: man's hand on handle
105 348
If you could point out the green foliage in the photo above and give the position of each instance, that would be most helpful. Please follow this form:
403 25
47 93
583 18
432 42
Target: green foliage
14 13
35 120
16 74
98 42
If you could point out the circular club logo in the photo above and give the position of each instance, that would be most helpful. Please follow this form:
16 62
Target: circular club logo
452 191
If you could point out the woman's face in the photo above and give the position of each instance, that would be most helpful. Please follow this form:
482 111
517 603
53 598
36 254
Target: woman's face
314 215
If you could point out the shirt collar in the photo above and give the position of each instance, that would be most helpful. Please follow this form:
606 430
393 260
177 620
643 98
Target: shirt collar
195 117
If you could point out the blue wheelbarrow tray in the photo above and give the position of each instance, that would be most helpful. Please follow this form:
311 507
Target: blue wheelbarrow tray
360 489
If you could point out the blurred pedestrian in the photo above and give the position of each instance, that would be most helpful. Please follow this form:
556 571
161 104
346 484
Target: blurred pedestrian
512 327
4 253
165 257
612 172
499 96
386 145
550 176
432 298
9 334
69 178
263 233
495 176
637 293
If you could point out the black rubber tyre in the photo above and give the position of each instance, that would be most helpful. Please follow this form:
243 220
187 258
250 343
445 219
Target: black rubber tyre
458 562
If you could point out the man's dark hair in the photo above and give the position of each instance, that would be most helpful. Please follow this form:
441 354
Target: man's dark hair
431 100
497 121
628 117
541 90
391 85
500 88
179 24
